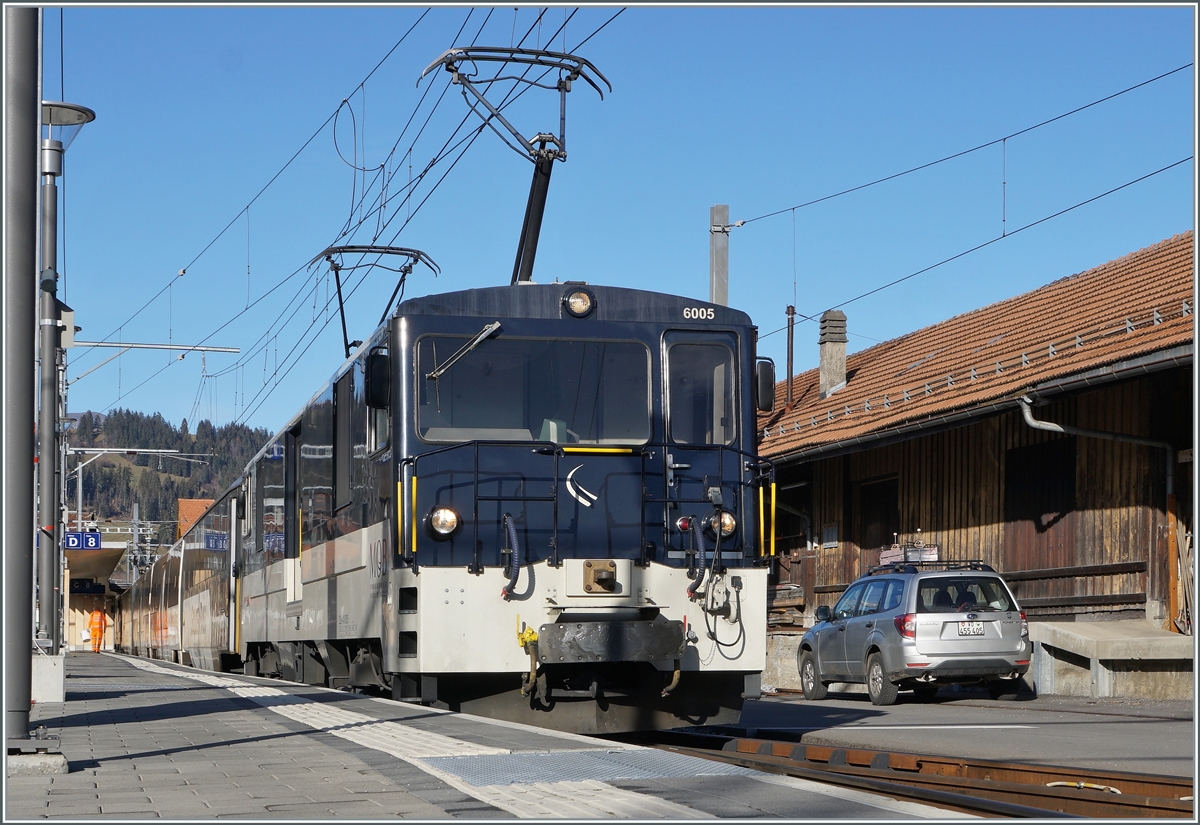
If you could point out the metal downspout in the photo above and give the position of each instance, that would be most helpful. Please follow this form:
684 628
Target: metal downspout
1027 411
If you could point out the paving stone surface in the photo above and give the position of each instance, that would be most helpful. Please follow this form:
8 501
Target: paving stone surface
150 740
144 745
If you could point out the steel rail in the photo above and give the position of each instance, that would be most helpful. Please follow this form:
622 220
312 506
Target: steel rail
887 786
974 785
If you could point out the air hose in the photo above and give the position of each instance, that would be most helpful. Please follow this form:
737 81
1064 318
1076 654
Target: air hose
698 542
509 523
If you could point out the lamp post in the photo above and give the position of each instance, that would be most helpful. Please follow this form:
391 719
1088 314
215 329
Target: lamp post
61 122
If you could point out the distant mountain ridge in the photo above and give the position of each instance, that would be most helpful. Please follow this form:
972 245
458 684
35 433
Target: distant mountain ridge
112 483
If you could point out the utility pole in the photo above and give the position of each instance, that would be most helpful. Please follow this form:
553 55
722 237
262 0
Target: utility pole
64 120
791 324
48 580
21 109
718 255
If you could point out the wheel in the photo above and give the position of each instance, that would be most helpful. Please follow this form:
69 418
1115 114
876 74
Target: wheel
1005 691
879 688
810 677
925 694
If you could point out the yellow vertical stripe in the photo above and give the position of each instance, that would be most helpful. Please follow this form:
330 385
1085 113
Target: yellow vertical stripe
413 525
773 530
762 527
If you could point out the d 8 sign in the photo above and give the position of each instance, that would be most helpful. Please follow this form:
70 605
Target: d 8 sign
81 541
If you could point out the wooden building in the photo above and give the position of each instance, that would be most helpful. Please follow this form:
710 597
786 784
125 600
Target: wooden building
943 431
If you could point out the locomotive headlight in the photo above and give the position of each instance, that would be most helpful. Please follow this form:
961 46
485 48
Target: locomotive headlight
442 523
579 303
727 522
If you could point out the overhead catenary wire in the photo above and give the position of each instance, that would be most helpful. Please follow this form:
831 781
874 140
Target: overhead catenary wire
999 140
249 408
249 411
274 177
442 153
977 247
287 278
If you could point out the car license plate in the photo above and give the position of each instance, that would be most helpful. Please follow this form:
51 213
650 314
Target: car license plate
970 628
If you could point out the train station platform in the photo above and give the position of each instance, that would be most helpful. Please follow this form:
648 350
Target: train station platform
1129 658
147 739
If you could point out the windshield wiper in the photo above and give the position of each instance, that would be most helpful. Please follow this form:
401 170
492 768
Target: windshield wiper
485 333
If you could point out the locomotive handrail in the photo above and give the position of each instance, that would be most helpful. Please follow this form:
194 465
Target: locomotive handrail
756 465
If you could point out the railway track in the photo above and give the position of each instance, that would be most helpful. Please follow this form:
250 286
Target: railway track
978 786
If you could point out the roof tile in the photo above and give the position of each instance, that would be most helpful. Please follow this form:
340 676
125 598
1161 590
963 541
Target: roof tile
1132 306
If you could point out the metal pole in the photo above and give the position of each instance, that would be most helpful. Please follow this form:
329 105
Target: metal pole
79 494
48 536
22 108
791 324
718 255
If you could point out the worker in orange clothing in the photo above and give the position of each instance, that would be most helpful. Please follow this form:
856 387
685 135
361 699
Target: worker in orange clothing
96 626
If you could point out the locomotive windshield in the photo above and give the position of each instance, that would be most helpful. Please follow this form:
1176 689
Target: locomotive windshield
522 389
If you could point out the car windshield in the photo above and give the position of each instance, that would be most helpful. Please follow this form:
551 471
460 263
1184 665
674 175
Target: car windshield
948 594
521 389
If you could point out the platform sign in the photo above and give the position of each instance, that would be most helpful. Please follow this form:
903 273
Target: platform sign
81 541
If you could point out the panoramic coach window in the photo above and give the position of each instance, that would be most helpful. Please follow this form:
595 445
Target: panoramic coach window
513 389
701 394
377 420
343 407
270 477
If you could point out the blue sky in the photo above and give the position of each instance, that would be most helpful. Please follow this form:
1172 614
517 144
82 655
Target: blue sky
760 108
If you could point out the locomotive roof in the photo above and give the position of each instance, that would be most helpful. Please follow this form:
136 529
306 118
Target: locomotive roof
545 301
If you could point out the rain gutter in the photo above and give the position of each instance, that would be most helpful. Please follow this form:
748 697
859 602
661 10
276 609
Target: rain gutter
1179 356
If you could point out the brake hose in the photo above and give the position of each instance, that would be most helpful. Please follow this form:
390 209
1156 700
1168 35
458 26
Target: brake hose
698 543
515 562
716 568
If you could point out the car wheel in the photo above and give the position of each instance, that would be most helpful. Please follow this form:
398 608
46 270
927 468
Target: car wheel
1003 691
925 694
879 687
810 677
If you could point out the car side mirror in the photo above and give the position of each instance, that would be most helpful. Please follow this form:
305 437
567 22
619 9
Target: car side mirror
378 380
764 374
824 613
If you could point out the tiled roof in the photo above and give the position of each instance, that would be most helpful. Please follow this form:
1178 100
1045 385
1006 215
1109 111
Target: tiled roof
1124 309
190 510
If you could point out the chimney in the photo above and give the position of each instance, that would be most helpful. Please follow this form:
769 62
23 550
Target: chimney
833 352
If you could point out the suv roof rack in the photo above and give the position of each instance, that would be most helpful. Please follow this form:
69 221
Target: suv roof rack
895 567
917 566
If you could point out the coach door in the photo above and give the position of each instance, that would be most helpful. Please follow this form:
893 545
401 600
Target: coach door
292 520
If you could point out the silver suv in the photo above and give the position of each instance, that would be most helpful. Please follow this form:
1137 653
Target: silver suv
917 627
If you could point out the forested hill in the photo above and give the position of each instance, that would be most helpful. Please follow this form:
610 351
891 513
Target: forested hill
112 483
